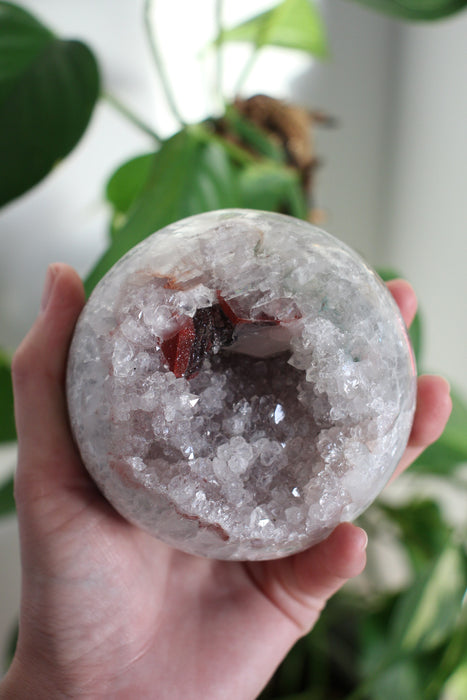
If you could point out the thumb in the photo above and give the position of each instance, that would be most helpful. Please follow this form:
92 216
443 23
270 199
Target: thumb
300 585
47 457
322 570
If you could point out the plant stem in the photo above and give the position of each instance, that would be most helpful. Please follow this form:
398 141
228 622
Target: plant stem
246 71
219 50
131 116
148 6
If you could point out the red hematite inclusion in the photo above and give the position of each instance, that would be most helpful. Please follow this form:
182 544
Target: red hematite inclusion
210 329
178 350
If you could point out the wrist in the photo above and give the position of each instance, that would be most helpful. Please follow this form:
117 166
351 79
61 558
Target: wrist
14 686
26 681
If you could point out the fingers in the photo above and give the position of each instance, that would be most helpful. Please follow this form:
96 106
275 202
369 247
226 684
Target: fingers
306 581
301 584
433 409
405 299
313 576
433 400
46 452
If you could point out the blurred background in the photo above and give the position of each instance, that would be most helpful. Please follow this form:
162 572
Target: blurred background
392 183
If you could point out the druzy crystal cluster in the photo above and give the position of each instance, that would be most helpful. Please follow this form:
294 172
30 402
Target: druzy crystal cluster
240 383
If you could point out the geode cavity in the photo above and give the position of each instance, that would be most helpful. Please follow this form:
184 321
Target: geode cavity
240 383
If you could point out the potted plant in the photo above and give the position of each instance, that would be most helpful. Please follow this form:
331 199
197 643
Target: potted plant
371 642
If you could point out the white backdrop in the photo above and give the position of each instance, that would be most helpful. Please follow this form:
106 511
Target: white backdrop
392 183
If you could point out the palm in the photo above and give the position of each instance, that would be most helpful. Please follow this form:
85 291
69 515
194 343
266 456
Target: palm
131 601
116 613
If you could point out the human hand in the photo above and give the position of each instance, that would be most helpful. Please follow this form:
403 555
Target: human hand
107 611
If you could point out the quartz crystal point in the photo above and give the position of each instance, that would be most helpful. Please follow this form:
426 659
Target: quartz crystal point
240 383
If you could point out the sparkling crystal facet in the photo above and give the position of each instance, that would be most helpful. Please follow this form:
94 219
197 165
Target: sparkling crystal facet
240 383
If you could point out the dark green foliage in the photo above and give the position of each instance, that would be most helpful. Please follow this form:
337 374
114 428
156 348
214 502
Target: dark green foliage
48 89
422 528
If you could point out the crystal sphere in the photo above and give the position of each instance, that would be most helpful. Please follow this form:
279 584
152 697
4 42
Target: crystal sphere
240 383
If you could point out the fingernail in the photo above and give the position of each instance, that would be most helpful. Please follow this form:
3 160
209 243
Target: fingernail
363 539
439 378
448 385
48 286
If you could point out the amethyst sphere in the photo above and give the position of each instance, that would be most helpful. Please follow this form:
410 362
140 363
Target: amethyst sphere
239 384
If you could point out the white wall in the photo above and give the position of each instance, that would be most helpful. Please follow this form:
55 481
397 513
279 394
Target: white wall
392 182
425 214
355 87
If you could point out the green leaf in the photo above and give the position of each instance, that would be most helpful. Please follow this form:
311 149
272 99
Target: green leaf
253 136
272 187
428 613
416 9
48 89
422 637
293 24
388 273
401 680
190 174
422 530
456 686
22 38
289 676
7 500
126 185
451 671
7 419
450 450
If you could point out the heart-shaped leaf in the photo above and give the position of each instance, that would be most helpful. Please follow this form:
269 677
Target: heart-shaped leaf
48 89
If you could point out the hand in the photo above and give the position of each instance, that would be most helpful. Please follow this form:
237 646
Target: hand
108 611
